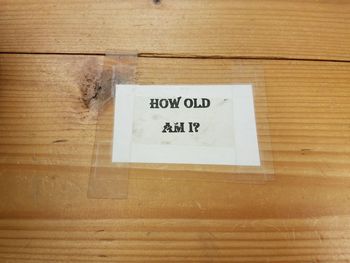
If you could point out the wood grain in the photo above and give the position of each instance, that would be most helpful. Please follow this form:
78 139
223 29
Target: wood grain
181 240
46 139
260 28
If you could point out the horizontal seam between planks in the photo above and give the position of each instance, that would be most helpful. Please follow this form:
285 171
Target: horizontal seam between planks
181 56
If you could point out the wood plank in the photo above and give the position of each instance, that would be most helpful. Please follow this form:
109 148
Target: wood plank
46 138
47 134
176 240
260 28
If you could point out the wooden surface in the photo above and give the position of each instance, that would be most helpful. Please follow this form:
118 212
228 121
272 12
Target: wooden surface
47 128
269 28
46 145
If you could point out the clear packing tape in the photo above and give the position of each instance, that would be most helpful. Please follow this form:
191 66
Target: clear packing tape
110 180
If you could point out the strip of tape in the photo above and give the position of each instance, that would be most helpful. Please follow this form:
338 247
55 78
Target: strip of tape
109 180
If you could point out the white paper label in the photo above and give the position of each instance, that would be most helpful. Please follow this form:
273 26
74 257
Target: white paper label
185 124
